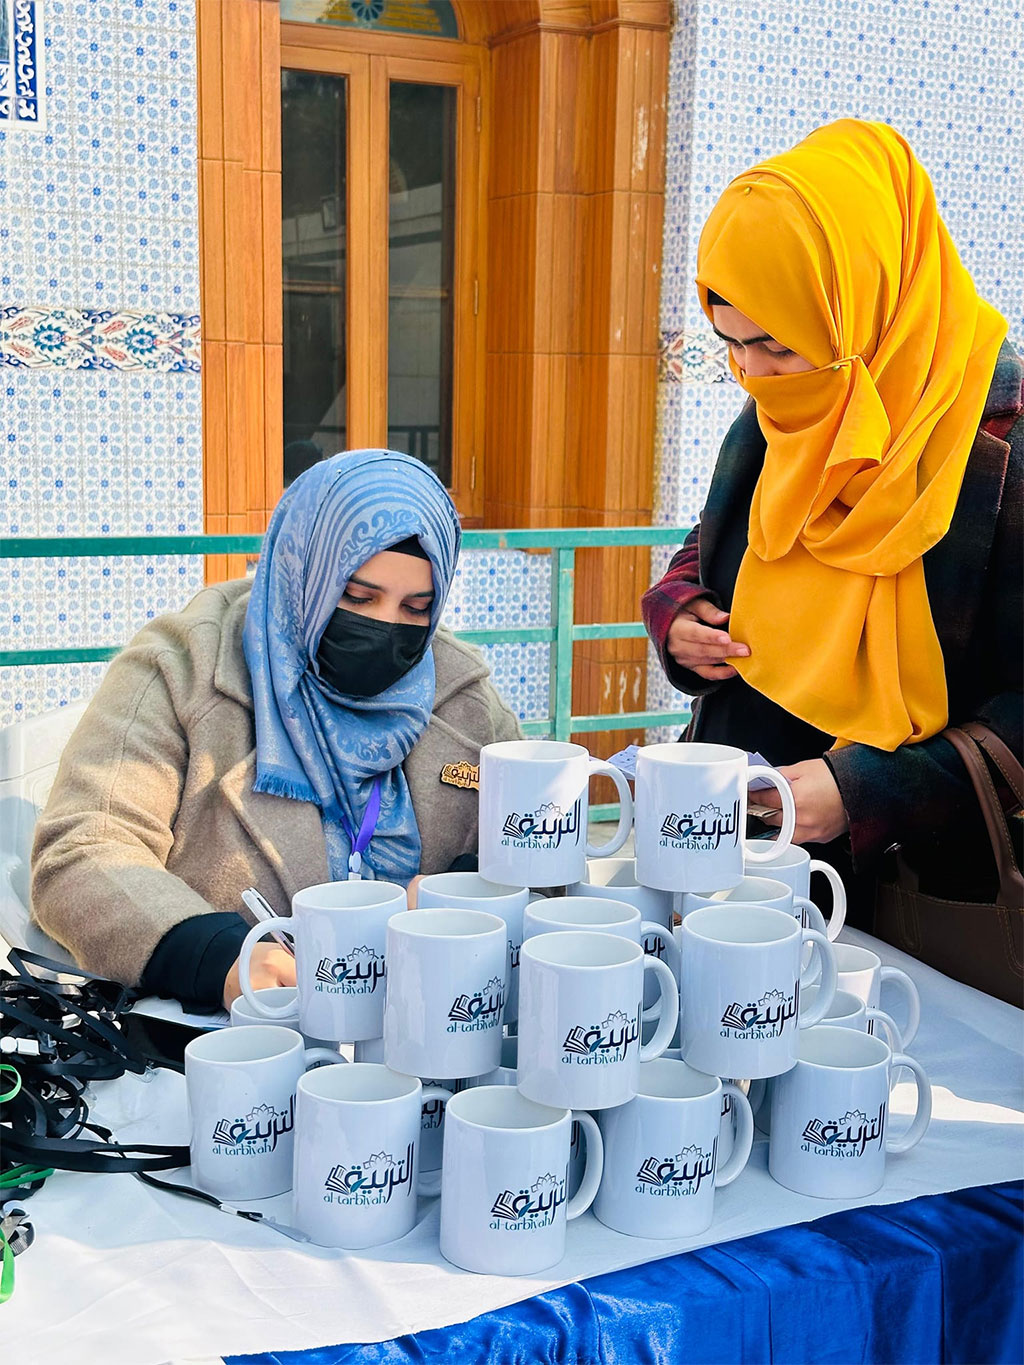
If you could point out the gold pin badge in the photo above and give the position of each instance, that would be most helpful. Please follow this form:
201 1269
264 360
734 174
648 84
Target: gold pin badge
465 775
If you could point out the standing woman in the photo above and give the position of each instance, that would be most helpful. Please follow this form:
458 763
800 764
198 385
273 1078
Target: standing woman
855 584
277 733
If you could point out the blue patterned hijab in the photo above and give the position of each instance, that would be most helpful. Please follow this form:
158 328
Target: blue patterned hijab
311 743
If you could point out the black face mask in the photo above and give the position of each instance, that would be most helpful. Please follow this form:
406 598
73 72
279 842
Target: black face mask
360 657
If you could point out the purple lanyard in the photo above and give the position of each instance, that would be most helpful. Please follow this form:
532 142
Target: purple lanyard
361 841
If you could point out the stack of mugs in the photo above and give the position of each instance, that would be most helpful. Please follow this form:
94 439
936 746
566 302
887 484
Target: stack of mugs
573 1049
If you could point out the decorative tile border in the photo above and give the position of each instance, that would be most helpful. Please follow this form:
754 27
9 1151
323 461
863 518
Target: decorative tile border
93 339
690 356
21 57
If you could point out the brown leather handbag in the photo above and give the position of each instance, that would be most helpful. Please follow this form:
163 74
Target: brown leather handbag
977 943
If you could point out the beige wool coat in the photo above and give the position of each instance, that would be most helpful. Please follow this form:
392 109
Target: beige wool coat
152 818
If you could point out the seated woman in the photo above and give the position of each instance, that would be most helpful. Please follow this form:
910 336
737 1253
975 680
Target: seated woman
855 584
276 733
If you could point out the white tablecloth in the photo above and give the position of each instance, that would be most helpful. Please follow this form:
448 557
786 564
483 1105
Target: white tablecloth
124 1275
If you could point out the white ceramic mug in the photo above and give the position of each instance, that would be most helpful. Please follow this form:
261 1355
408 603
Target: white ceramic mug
794 866
830 1114
242 1013
581 1001
862 973
534 803
432 1110
357 1154
470 891
691 815
339 931
604 916
661 1152
615 879
760 890
241 1097
504 1187
446 992
740 1007
849 1011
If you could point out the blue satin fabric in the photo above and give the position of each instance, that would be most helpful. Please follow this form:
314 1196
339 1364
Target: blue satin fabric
935 1279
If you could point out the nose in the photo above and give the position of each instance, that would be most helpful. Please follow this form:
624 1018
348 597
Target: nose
757 364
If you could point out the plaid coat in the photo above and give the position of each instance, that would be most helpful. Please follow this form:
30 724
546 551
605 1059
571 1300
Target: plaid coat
920 794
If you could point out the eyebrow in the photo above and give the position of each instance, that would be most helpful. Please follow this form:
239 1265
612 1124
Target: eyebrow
365 583
746 341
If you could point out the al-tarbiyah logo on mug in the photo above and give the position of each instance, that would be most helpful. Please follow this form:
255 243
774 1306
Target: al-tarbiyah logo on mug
359 972
703 830
849 1136
678 1175
530 1208
764 1018
472 1013
258 1132
372 1181
601 1043
545 827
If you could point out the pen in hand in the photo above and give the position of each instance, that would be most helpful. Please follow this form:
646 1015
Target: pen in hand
264 911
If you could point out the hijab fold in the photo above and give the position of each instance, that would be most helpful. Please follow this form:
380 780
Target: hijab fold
312 744
837 250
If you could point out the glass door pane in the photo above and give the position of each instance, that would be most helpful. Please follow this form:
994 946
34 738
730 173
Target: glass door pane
421 258
313 230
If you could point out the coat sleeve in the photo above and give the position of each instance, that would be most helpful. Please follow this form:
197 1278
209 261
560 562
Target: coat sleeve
662 603
920 792
100 884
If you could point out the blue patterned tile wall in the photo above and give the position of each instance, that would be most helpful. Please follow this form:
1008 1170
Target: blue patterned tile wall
750 79
502 589
99 292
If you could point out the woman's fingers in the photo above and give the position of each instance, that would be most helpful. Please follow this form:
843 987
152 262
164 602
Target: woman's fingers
707 611
714 672
690 642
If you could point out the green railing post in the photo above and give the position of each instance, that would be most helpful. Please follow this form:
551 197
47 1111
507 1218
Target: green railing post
563 611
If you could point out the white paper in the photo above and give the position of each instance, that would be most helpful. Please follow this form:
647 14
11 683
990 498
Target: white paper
145 1276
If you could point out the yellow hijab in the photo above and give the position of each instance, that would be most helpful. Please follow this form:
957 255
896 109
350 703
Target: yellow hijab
837 250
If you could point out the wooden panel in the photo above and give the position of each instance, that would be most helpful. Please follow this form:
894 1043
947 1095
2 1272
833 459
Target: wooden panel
239 139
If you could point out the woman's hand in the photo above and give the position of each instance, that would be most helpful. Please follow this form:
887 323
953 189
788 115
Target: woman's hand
272 965
697 641
820 813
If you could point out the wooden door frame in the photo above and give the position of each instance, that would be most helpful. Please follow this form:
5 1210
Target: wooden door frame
371 61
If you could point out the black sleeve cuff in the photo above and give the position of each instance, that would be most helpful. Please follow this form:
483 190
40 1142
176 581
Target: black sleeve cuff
191 960
465 862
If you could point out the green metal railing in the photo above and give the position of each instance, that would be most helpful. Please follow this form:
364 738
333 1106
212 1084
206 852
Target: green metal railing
561 634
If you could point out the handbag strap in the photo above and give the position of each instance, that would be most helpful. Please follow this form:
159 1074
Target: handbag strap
1000 755
969 747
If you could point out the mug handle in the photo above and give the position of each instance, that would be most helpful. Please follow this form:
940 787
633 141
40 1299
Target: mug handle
429 1184
669 1006
892 1032
829 979
253 937
313 1056
913 999
923 1116
585 1195
757 1094
763 850
650 929
726 1174
598 767
838 916
812 916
